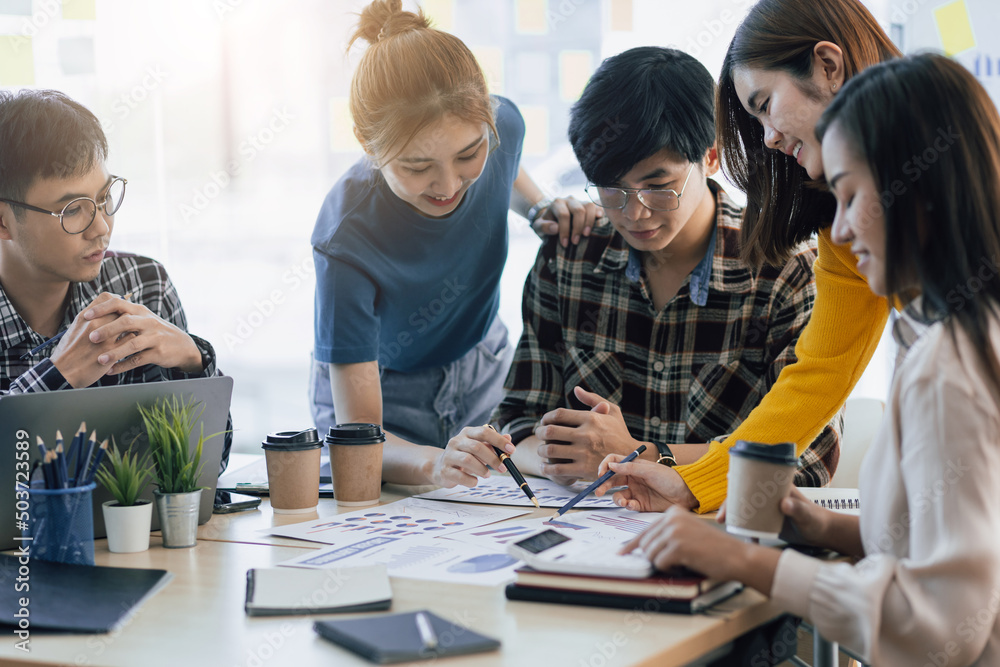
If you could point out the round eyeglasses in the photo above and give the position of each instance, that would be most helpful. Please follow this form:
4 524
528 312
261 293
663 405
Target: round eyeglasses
655 200
77 216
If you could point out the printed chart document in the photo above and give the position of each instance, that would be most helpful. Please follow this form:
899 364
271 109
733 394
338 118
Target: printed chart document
500 489
427 558
402 520
606 528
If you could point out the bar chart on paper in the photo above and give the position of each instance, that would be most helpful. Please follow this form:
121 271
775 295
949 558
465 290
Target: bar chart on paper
611 527
502 490
403 519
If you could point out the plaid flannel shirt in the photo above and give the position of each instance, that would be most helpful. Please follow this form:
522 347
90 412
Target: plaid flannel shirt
688 373
121 273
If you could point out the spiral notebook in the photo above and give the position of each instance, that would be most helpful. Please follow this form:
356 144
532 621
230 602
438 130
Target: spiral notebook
844 500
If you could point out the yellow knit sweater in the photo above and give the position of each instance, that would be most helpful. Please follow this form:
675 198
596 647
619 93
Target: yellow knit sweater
833 350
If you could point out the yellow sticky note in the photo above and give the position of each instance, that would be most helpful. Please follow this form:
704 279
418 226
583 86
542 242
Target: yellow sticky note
955 28
536 129
574 72
81 10
342 139
491 60
621 15
17 61
440 12
531 17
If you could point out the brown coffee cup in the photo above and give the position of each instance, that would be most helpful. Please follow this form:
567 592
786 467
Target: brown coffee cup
293 470
356 463
760 476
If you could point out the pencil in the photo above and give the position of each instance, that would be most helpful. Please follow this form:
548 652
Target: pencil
96 464
63 471
55 339
600 480
91 442
78 446
514 472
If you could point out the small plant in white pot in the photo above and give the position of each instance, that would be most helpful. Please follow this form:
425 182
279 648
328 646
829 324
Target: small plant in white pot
177 467
127 517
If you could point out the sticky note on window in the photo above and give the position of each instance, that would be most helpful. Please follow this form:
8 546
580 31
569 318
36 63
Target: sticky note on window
441 13
955 28
574 72
15 7
531 19
536 129
82 10
621 15
17 61
490 58
342 139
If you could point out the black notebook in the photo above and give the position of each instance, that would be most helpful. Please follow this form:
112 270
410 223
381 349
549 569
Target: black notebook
648 603
73 598
395 637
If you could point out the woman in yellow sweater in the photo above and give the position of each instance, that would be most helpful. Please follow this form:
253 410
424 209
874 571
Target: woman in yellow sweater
785 64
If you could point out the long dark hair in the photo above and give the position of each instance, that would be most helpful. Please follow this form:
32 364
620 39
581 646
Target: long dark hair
930 134
782 209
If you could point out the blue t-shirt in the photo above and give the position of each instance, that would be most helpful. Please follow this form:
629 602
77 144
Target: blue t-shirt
411 291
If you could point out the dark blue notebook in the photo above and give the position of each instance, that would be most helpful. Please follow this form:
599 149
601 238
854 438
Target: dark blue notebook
395 637
73 598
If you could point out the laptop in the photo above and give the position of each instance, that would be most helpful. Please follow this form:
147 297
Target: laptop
111 411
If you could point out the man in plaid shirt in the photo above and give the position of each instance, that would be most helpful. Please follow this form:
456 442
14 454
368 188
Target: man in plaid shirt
57 206
652 330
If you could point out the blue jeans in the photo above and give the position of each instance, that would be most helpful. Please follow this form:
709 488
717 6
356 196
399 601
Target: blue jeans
430 407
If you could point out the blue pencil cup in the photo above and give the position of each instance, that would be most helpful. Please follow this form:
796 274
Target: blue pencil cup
61 524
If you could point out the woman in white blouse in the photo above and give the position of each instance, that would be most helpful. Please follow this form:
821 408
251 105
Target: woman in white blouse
911 150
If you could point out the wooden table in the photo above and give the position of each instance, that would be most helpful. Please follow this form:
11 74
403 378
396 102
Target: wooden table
198 618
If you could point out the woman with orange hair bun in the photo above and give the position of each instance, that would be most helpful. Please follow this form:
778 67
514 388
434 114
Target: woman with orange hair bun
409 247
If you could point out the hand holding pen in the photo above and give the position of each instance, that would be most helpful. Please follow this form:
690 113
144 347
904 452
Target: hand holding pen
514 472
650 487
469 456
599 482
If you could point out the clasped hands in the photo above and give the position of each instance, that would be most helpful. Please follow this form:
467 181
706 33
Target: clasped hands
112 335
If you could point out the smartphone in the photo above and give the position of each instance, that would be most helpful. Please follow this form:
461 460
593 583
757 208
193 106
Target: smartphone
227 502
551 551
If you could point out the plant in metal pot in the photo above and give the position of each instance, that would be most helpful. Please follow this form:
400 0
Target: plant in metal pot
177 466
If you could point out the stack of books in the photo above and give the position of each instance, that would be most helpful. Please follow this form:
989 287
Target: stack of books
674 592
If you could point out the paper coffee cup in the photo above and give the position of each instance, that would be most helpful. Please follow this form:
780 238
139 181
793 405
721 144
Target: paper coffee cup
356 463
760 476
293 470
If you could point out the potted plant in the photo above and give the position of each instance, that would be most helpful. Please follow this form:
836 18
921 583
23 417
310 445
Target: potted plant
177 467
127 517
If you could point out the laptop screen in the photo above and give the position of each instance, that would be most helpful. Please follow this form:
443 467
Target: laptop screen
111 412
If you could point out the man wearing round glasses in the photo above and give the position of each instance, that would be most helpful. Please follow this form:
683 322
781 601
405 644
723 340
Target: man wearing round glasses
117 315
651 330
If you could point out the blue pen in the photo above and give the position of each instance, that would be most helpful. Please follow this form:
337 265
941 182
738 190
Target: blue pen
79 446
91 442
600 480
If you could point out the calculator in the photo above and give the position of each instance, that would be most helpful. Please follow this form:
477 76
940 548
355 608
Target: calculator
552 551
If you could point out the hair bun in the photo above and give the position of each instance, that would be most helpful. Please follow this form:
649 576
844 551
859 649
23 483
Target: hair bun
385 18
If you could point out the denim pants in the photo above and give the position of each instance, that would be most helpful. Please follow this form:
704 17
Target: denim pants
431 406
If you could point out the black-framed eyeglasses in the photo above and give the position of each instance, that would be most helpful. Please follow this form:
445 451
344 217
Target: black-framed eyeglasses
656 200
77 216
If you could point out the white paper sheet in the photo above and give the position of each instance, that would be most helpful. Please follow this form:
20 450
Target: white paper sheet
401 520
502 490
428 558
610 527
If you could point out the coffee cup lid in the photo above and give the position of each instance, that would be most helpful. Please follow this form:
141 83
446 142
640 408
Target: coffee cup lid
355 434
292 441
782 453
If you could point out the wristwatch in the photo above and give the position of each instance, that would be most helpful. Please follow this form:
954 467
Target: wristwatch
537 209
666 457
